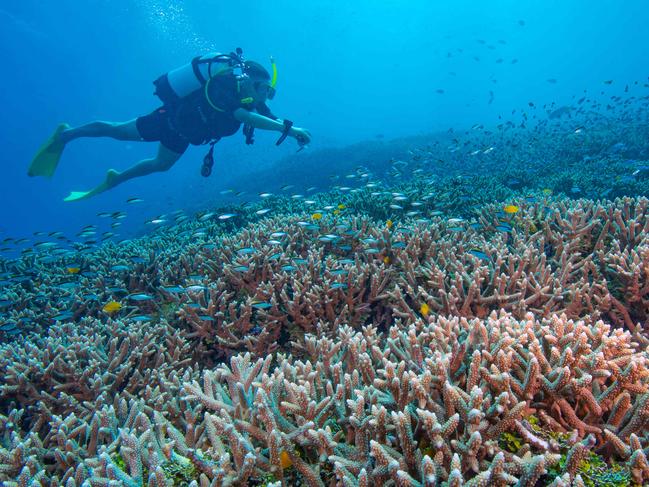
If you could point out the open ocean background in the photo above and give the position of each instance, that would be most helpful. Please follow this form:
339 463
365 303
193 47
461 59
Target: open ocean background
348 71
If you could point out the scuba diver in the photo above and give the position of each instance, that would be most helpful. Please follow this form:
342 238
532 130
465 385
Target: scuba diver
203 101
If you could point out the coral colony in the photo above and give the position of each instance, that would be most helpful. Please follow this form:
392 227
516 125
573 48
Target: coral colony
414 329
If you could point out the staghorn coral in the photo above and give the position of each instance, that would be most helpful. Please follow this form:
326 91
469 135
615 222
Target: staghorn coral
76 369
386 394
596 267
429 403
424 404
125 443
585 259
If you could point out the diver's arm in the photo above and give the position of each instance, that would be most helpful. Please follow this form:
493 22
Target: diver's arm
258 121
264 123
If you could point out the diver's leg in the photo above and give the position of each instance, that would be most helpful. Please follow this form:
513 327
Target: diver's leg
163 161
116 130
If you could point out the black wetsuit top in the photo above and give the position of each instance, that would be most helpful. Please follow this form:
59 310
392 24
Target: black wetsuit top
192 120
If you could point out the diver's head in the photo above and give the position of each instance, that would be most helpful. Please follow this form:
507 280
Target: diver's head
261 81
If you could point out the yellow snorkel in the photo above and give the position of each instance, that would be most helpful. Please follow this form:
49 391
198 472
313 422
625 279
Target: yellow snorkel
273 80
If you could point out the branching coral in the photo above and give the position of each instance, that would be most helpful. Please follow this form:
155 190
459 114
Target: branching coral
431 402
339 349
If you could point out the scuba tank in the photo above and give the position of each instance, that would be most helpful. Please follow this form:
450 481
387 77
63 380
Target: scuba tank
184 80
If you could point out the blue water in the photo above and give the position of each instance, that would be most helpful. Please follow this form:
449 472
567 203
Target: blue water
348 71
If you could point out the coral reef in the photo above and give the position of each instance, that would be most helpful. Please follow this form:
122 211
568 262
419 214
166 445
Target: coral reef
424 404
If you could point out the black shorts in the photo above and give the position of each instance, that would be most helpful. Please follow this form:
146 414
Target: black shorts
156 126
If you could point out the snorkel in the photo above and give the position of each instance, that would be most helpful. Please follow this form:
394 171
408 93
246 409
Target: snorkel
273 79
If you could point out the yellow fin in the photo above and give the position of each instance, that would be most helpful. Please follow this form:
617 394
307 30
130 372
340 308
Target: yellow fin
47 158
76 195
107 184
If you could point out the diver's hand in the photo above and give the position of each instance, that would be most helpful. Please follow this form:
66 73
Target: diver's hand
303 136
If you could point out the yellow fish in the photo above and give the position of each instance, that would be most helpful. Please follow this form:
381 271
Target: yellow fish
386 260
316 216
73 270
388 224
424 309
285 460
112 307
511 209
341 206
547 191
336 212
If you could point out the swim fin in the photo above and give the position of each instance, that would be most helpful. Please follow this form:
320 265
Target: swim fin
48 156
77 195
82 195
